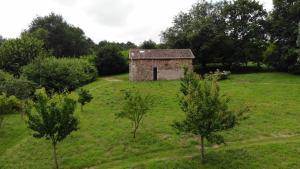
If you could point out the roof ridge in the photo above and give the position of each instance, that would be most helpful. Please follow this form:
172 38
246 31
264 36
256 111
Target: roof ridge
161 54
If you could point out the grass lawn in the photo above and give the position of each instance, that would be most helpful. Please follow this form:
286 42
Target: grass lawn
269 139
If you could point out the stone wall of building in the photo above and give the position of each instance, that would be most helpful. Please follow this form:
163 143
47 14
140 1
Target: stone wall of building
167 69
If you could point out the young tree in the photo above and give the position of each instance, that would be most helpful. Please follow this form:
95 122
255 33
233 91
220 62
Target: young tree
206 110
53 118
84 97
135 108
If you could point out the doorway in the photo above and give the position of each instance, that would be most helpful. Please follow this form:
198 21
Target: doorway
155 73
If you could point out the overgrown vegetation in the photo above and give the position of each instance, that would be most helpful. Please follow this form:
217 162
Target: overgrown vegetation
15 53
109 60
19 87
9 105
60 74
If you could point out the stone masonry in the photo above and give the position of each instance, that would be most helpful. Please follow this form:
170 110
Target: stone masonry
158 64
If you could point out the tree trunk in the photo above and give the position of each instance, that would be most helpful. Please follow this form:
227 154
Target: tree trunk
202 150
258 65
55 156
134 131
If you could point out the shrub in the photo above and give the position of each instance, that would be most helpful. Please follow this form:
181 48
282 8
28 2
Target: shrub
218 75
109 61
19 87
9 104
15 53
60 74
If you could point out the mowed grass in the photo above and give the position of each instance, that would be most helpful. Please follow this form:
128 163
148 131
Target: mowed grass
269 139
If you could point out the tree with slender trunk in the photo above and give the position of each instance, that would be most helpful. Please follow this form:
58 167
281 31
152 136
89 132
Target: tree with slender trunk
84 98
53 118
135 108
206 110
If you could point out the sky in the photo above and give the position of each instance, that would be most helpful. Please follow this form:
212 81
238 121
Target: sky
112 20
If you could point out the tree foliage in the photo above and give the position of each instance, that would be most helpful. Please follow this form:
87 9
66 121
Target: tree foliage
236 29
60 38
206 110
122 46
53 118
1 40
59 74
149 44
135 107
15 53
284 20
19 87
109 60
84 97
9 105
246 26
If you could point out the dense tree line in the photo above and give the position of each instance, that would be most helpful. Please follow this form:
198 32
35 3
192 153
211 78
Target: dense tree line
234 33
121 46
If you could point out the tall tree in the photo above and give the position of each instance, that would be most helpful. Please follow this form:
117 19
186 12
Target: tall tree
284 21
53 119
60 38
203 30
206 110
109 60
246 26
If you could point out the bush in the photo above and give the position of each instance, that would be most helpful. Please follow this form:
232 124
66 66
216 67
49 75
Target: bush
19 87
218 75
9 104
60 74
109 61
15 53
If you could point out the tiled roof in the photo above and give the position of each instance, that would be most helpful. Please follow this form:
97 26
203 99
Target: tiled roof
160 54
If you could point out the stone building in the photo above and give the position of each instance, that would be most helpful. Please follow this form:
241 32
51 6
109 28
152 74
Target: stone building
159 64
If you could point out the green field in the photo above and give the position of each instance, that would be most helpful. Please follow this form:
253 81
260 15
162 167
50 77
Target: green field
269 139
